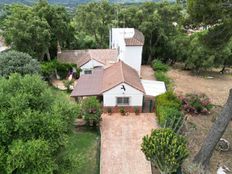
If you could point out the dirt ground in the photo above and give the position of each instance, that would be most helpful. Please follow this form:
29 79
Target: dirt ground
121 138
197 129
147 72
213 84
216 87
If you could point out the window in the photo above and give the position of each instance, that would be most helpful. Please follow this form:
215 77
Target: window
88 72
123 101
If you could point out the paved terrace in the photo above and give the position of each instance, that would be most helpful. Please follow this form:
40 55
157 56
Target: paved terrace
121 138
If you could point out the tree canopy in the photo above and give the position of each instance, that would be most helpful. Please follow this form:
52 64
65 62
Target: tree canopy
17 62
34 125
37 29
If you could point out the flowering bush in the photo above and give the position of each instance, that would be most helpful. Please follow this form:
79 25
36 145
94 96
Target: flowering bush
196 103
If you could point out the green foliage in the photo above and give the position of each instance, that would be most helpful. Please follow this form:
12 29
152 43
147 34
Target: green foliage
165 149
170 118
68 84
91 109
34 124
169 99
32 156
37 29
157 65
168 108
17 62
122 110
196 104
50 68
82 152
25 31
161 76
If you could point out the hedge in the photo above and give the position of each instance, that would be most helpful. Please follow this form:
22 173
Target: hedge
157 65
168 111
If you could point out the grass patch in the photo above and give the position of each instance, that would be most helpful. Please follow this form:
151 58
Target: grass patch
84 147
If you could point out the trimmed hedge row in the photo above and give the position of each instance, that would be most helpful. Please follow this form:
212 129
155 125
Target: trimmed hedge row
168 111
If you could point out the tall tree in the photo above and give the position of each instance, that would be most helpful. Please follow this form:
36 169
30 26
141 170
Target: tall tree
215 133
94 20
26 32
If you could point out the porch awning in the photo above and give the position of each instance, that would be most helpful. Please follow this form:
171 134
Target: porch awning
153 87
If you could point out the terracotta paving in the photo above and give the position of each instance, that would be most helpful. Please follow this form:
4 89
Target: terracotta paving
121 138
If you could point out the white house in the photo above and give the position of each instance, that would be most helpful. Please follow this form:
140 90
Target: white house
126 44
113 75
118 85
129 43
89 59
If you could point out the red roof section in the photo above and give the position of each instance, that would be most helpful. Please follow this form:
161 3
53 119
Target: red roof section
101 80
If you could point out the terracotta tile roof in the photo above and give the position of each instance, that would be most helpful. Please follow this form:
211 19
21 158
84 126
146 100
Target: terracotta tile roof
101 80
89 84
136 40
121 73
81 57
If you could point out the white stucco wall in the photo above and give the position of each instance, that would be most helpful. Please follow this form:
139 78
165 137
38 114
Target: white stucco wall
133 57
117 39
136 96
90 65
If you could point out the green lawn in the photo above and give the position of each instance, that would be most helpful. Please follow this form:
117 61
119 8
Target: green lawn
84 145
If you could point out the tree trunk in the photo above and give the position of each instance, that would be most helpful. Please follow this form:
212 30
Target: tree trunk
223 69
214 135
48 55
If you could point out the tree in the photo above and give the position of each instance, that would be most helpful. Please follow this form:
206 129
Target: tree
97 22
199 56
214 135
26 32
34 125
165 149
91 110
17 62
58 20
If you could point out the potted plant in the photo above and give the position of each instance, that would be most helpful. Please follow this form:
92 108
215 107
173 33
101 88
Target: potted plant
109 111
122 111
136 110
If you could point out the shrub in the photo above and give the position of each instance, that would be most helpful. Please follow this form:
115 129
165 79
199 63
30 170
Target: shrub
122 111
165 149
109 111
170 118
157 65
17 62
136 110
196 104
91 110
50 68
161 76
168 99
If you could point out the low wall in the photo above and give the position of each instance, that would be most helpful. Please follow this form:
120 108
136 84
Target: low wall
116 109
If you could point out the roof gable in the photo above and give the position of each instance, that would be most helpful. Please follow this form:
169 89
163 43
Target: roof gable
121 73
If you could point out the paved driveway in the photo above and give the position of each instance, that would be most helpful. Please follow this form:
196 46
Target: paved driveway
121 138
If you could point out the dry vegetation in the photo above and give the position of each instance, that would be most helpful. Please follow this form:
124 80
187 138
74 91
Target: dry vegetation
217 89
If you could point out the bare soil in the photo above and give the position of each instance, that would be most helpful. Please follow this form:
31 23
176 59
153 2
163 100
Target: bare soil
196 131
216 86
213 84
147 72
